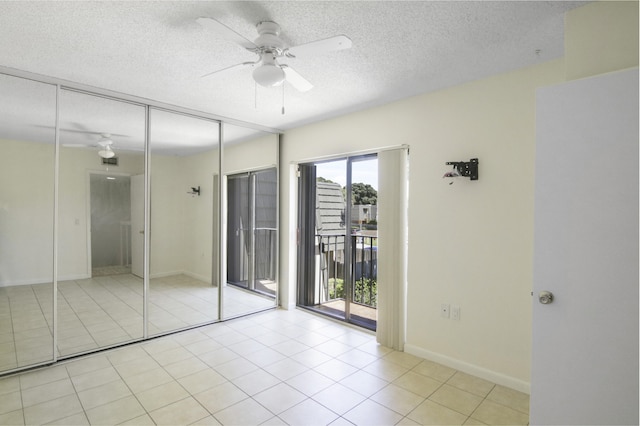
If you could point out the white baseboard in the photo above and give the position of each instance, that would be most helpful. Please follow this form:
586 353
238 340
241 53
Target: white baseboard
25 282
187 273
483 373
75 277
198 277
13 283
165 274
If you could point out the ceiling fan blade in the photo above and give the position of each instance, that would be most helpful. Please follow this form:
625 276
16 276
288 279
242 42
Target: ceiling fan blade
330 44
296 80
236 66
225 32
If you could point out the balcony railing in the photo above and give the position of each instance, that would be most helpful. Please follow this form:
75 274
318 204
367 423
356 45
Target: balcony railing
364 261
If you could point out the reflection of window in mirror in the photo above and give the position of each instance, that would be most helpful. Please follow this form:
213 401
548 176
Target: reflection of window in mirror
251 249
184 154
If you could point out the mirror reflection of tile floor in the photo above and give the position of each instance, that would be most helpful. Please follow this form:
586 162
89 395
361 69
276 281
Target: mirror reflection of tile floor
107 310
276 367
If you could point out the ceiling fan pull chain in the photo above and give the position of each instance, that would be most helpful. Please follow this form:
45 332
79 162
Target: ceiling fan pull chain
282 98
255 95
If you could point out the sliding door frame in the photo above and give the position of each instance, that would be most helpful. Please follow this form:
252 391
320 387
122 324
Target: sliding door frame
306 234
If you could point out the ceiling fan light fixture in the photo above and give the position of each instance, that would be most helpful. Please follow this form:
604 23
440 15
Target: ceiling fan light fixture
107 152
268 75
105 143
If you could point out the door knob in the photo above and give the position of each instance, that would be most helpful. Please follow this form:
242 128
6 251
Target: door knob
545 297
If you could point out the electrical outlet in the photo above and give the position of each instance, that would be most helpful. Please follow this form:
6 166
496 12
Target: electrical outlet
455 312
444 310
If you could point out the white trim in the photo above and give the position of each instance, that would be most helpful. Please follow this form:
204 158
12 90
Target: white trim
483 373
251 169
345 155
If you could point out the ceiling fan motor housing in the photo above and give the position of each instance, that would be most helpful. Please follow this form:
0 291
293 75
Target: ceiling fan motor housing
270 47
269 40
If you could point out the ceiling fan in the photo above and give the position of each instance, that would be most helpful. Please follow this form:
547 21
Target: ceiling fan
105 143
270 48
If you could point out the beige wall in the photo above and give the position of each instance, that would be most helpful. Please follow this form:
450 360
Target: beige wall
27 182
601 37
26 187
470 244
182 225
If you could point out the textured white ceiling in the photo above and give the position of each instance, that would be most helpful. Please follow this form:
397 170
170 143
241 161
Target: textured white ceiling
156 50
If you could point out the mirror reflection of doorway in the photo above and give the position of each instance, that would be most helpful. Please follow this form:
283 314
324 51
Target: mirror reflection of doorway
110 224
252 231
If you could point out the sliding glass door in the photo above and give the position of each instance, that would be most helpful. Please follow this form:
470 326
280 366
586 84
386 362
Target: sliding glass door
338 239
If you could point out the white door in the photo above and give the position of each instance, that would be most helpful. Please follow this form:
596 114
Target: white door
585 343
137 225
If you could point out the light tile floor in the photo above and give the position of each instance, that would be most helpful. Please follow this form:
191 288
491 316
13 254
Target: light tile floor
105 311
277 367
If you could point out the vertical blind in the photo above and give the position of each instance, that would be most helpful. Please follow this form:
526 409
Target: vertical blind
393 172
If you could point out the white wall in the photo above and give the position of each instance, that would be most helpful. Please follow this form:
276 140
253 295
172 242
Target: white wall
470 243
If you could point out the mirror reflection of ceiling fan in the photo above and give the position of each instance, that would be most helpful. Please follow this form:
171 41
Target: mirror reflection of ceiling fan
268 70
104 143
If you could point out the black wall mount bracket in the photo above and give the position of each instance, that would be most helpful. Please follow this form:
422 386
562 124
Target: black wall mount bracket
466 168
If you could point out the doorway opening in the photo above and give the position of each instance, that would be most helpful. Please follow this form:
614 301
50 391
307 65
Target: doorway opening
110 229
338 226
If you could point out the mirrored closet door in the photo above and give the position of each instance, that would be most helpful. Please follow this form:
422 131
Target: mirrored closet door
121 221
184 158
101 207
250 223
27 176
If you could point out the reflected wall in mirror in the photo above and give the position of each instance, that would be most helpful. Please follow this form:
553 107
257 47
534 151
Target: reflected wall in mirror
251 225
27 147
100 201
183 251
